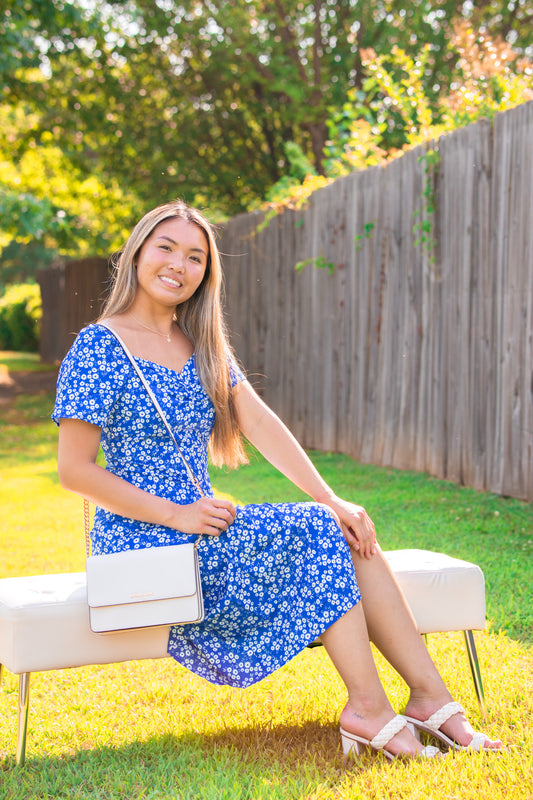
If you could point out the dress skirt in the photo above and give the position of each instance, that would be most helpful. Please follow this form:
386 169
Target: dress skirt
272 583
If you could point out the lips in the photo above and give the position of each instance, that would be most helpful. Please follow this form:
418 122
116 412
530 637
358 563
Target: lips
170 282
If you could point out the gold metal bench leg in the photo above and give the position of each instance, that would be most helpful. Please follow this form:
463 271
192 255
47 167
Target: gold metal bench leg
476 672
24 702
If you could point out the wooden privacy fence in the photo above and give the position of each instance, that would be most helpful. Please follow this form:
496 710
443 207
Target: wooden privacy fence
72 296
411 354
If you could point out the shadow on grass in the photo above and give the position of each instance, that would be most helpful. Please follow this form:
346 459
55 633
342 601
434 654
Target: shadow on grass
252 762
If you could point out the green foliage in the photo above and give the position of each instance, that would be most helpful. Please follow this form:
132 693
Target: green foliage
368 230
489 77
397 95
493 76
396 110
319 262
298 183
49 208
423 225
110 108
31 30
20 317
297 170
28 218
355 139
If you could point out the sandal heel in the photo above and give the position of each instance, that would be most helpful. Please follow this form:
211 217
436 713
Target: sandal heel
350 746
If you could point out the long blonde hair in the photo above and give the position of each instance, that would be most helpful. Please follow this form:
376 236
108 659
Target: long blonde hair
200 318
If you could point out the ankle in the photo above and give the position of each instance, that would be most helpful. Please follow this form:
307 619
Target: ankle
368 706
428 700
366 715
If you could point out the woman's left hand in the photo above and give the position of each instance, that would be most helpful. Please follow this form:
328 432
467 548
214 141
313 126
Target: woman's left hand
356 525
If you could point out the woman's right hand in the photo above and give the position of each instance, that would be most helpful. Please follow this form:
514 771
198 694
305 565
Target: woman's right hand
209 515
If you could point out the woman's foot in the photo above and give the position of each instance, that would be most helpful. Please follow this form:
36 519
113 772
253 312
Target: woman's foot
368 726
457 730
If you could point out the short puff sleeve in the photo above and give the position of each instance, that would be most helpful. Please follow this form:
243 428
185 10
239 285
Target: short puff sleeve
90 377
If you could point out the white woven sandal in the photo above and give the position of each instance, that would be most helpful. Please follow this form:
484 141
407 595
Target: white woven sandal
433 724
354 744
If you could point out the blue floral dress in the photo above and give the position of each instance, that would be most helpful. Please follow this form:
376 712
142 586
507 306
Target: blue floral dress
274 581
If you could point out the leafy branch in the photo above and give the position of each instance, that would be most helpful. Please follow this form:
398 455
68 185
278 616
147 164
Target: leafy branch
423 226
316 261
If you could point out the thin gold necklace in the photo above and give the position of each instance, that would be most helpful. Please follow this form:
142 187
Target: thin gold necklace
166 336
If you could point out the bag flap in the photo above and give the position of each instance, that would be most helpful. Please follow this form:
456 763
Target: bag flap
134 576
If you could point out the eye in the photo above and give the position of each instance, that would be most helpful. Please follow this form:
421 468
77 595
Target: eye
165 247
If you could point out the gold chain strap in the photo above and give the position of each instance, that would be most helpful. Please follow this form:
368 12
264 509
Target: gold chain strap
87 525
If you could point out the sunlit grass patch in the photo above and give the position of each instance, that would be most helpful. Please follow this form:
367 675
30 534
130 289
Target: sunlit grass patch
23 362
150 729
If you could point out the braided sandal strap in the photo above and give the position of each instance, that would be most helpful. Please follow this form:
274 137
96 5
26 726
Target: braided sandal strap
443 715
388 732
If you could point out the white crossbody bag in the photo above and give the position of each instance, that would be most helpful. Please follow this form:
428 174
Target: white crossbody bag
150 586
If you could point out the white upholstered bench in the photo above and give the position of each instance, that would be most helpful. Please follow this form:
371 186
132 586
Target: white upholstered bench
44 621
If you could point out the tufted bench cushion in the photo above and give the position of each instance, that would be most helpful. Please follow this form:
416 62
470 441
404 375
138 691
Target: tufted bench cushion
444 593
44 624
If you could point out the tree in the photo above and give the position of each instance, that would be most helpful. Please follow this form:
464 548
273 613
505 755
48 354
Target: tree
147 100
47 208
31 29
199 99
394 105
508 20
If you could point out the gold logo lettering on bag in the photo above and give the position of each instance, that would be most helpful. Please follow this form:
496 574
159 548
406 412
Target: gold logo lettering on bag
143 594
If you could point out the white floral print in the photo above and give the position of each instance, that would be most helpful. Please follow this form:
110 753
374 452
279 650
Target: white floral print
273 582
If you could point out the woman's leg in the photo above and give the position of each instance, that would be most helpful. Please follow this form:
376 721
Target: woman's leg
393 630
391 625
368 709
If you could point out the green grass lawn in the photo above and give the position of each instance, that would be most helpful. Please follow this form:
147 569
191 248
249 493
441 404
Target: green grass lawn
27 362
150 729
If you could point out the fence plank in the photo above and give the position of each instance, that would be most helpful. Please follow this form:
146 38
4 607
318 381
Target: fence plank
415 356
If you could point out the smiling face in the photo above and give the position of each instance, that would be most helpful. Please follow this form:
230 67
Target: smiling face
171 263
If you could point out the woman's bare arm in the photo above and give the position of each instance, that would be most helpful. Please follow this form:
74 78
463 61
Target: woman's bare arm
264 429
78 446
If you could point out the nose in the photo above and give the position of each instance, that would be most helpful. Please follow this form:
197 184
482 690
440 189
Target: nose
177 264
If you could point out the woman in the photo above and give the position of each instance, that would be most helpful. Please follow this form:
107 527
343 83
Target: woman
274 577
